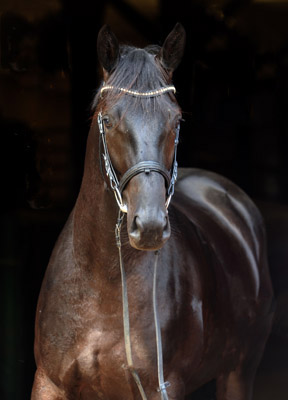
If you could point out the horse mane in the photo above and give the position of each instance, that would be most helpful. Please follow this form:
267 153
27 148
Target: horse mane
137 69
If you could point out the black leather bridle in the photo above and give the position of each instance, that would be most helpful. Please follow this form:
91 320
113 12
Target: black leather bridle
118 187
141 167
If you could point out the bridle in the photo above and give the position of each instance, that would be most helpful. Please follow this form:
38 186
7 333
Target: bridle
118 187
143 166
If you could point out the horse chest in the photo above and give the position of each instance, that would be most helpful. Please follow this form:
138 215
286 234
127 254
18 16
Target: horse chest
101 357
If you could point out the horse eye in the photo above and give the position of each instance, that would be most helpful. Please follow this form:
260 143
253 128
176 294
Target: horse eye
177 124
107 121
177 119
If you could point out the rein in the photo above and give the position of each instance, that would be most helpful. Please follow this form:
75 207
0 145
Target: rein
126 322
118 188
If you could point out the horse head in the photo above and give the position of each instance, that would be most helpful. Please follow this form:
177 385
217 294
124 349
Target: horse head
139 119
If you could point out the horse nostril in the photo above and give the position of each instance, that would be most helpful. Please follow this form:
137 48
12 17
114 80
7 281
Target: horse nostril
137 226
166 223
163 221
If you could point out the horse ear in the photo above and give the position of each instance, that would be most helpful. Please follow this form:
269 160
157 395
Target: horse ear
172 50
107 49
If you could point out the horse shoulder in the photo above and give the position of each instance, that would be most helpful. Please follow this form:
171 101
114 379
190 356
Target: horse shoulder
60 304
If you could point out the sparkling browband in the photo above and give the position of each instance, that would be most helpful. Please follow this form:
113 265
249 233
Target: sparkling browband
150 93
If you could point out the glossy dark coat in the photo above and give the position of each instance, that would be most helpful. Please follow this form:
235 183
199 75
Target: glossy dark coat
214 290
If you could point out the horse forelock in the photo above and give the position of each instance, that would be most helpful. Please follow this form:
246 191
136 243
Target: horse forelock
139 70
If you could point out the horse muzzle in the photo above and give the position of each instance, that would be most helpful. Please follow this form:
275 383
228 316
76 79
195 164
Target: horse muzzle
149 234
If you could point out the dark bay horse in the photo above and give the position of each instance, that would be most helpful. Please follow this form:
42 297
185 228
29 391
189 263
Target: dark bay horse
214 293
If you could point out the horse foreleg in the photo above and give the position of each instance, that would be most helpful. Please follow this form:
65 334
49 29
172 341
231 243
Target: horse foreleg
44 388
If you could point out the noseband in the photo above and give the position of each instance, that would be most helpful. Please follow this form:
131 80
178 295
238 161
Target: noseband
143 166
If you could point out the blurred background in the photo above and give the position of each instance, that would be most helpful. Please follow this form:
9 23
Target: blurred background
232 86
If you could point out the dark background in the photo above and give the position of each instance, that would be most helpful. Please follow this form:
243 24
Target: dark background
232 86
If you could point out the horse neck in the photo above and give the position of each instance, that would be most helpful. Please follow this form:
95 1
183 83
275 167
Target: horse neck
95 212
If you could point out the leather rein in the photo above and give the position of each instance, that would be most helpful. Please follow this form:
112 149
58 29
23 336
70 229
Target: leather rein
117 188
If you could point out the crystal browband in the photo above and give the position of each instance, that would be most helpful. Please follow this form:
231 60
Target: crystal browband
150 93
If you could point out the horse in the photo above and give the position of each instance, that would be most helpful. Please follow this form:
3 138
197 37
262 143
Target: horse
207 312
